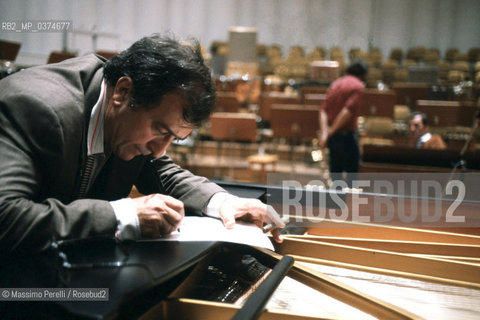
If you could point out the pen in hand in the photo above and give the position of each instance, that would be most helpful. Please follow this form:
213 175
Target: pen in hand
270 226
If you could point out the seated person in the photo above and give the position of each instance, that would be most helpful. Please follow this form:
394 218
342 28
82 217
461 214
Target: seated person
420 133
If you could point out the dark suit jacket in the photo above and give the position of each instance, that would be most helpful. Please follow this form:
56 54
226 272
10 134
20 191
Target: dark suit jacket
43 125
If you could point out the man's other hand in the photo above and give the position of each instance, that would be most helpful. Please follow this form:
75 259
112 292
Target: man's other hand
250 210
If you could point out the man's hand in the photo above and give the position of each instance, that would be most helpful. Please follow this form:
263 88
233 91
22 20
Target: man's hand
158 214
322 139
251 210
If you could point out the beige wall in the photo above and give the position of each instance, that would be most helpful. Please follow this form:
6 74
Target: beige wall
309 23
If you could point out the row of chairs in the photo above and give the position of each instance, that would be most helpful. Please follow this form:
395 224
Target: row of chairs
296 117
374 102
59 56
419 54
9 51
455 66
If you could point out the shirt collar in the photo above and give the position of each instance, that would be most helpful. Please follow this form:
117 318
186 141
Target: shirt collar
95 141
424 139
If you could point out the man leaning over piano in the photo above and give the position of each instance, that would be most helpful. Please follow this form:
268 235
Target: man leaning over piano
77 135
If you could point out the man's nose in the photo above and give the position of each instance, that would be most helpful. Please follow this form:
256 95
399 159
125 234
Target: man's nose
159 146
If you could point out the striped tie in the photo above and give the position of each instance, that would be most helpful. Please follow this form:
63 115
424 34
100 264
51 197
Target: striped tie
87 174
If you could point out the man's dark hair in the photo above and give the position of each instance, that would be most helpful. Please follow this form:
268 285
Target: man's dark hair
422 115
159 65
357 68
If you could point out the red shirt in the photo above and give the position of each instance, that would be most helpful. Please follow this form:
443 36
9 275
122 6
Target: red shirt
345 92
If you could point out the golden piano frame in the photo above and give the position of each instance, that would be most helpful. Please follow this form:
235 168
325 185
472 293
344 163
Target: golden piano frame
443 257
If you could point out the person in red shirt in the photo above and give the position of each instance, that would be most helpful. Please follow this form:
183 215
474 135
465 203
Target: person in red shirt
338 122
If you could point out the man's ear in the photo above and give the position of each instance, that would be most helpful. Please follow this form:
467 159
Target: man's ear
123 91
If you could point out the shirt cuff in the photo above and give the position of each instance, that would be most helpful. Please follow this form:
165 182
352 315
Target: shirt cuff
127 219
216 201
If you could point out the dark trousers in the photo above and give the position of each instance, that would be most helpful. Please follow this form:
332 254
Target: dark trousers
344 156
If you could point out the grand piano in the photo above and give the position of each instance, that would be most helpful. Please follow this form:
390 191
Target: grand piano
324 269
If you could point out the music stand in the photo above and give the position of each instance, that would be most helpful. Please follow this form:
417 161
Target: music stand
376 103
268 99
447 113
230 126
295 122
226 102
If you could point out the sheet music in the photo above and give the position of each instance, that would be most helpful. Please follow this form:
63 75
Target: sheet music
210 229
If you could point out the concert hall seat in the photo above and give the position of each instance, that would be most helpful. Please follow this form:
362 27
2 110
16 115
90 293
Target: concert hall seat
477 66
375 57
389 67
443 69
373 76
396 54
454 77
336 54
378 126
401 75
450 54
432 56
473 55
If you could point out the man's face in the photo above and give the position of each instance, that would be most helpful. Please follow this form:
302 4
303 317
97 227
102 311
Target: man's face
148 131
416 126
